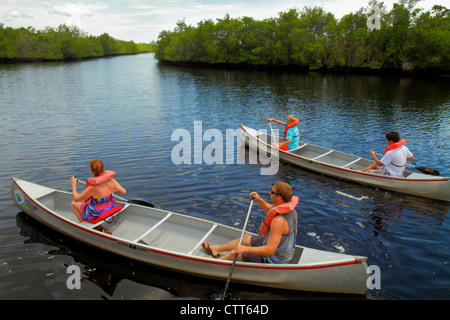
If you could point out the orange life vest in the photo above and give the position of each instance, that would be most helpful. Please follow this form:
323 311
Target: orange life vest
293 124
284 208
395 145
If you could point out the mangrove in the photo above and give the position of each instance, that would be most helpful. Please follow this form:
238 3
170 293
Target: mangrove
62 43
407 39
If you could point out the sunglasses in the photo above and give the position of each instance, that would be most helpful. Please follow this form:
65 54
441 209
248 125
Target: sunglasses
277 194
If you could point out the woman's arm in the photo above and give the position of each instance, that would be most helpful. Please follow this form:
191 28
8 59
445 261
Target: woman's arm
118 188
276 121
86 194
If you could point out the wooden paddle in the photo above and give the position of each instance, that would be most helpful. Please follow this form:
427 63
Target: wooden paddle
425 170
134 201
236 255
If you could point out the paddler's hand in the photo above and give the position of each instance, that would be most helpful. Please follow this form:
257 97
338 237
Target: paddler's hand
255 196
240 250
269 119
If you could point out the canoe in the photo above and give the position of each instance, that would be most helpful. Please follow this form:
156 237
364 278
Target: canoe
173 241
345 166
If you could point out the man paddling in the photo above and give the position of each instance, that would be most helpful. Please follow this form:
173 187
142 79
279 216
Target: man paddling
395 157
291 133
276 241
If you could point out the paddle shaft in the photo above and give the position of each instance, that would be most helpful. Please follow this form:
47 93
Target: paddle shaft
236 255
421 169
273 136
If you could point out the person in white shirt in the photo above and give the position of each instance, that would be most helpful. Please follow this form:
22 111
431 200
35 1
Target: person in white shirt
395 157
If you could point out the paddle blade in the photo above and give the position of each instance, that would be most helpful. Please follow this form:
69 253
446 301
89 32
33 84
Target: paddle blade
428 171
141 203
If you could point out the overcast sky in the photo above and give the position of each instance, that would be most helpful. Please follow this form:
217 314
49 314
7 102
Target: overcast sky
143 20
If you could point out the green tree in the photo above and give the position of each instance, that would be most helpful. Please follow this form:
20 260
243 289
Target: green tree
61 43
429 46
315 39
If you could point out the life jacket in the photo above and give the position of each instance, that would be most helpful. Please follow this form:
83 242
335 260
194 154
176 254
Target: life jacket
293 124
283 208
395 145
105 176
94 181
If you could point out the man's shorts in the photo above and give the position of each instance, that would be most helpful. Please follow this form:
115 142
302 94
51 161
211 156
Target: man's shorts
255 241
381 170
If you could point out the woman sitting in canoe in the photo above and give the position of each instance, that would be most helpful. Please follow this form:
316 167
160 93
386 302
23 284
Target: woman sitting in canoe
97 198
291 133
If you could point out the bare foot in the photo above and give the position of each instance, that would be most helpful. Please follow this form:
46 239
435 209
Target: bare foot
100 228
210 249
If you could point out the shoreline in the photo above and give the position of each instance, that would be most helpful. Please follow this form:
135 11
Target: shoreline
366 71
306 69
6 61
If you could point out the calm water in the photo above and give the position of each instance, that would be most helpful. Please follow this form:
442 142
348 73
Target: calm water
55 117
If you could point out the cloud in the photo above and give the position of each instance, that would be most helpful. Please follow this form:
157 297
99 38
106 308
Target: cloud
70 9
73 11
13 14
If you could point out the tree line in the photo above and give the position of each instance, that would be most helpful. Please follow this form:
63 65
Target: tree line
62 43
406 39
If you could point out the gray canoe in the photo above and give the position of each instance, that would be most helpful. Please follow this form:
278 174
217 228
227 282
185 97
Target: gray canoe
173 241
339 165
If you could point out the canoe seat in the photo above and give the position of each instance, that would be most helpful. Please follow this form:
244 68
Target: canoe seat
297 255
416 175
322 155
352 162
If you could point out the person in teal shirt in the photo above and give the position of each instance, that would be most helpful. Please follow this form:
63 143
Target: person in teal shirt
291 133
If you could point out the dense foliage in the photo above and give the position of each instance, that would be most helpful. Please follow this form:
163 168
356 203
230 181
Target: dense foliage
312 38
62 43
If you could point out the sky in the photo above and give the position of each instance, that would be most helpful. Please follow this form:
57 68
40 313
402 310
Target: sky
143 20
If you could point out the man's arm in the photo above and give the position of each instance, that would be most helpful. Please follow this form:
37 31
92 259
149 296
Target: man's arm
277 229
265 205
374 156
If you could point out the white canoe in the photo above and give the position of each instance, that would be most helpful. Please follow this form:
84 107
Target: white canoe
339 165
173 241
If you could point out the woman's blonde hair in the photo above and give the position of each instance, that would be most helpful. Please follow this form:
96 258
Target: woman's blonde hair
291 118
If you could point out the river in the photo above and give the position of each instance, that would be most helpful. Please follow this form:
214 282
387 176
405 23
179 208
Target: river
56 117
